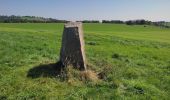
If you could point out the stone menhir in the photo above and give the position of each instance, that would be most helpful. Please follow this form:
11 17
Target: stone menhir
72 49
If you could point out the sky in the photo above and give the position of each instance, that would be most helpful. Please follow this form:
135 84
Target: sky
154 10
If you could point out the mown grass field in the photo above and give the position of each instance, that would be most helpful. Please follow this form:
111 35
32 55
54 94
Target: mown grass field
136 60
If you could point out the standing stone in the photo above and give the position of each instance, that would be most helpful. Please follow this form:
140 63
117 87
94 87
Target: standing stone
72 50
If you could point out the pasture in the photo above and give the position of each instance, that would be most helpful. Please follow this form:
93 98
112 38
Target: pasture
135 59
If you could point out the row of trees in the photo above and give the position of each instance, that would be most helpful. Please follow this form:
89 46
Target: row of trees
138 22
130 22
113 21
90 21
162 24
28 19
34 19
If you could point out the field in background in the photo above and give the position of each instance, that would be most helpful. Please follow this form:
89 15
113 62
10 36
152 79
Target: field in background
136 60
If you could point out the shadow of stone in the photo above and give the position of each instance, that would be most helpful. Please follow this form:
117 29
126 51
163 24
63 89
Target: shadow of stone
47 70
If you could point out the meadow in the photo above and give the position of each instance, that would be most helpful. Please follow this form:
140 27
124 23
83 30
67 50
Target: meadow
135 60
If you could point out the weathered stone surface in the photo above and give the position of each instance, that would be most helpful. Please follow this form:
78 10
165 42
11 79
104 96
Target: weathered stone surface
72 50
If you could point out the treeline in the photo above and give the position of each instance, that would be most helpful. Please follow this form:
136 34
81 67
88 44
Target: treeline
28 19
162 24
113 21
129 22
90 21
35 19
138 22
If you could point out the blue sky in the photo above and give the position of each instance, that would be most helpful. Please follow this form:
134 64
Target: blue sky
89 9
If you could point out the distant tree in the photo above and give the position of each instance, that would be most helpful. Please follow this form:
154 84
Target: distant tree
129 22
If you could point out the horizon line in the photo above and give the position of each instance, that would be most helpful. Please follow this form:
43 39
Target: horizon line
100 20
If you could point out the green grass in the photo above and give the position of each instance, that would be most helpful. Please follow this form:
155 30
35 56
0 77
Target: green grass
136 60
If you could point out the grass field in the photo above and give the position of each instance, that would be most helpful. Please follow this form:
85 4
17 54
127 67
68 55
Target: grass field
136 60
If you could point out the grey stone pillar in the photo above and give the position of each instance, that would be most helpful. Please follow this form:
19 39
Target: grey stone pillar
72 49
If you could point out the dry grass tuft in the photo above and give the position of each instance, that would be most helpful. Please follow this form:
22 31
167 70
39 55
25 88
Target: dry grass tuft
89 75
72 75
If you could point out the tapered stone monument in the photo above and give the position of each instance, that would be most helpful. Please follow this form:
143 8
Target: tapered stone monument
72 49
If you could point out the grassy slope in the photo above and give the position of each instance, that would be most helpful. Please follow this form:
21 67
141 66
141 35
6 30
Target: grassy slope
136 57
